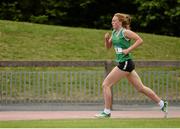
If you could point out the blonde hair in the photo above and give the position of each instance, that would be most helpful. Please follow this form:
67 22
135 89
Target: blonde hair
125 19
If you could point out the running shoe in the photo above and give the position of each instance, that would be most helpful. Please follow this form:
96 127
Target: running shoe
103 115
165 107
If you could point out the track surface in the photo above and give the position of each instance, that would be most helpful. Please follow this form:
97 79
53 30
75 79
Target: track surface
42 115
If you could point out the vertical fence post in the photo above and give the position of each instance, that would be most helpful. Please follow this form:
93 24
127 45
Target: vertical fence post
108 67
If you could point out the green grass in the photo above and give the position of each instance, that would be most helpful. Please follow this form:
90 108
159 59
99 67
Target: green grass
27 41
94 123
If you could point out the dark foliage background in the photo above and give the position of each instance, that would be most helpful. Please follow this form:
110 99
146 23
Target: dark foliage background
150 16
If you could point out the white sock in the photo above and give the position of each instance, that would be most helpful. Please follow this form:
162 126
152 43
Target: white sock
107 111
161 104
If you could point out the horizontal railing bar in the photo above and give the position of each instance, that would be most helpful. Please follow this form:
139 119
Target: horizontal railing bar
84 63
158 63
51 63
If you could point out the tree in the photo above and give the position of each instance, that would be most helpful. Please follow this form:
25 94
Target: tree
160 17
152 16
9 10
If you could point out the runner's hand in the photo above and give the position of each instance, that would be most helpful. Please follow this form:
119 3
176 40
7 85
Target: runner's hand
125 51
107 36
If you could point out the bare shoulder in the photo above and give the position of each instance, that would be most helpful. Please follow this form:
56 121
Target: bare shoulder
130 34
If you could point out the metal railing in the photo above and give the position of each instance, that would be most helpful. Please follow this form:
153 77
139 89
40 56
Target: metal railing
82 86
42 87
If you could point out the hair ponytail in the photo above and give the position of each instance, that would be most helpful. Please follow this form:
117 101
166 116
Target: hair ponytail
125 19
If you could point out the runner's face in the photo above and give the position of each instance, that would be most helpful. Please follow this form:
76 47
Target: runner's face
115 22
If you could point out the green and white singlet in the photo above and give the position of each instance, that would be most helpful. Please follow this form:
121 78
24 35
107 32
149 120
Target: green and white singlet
120 42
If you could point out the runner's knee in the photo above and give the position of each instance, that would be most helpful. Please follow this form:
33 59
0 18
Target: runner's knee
141 89
105 85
